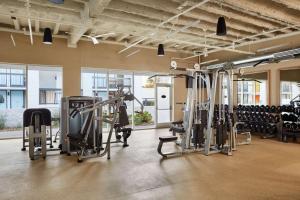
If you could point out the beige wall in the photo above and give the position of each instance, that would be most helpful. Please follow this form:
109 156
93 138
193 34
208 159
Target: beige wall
85 55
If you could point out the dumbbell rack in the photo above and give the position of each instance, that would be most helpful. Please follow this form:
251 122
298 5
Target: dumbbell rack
260 120
290 125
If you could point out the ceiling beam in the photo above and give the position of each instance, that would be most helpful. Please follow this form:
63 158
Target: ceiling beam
143 12
233 14
296 33
36 26
77 32
153 22
121 37
208 21
56 28
97 7
214 47
83 39
266 8
42 14
292 4
16 23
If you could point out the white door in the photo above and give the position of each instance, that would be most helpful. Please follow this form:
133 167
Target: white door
164 105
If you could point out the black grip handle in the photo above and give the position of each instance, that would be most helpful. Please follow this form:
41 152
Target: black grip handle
74 113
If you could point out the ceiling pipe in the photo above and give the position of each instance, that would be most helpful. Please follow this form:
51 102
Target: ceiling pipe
164 22
255 61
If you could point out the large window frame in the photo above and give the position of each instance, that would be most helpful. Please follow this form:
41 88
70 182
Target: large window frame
90 87
288 90
248 92
14 83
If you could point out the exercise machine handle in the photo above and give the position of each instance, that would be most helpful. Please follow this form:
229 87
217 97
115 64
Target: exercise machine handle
74 113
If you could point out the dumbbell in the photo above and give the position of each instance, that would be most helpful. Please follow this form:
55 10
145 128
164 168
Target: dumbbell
239 108
252 127
284 108
294 126
286 125
278 109
262 108
285 117
290 108
271 129
267 108
277 119
273 109
256 108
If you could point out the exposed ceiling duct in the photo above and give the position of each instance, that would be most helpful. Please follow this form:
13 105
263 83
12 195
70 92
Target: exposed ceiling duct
255 61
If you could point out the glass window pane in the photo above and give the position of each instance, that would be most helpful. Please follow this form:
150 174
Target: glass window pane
17 99
13 90
144 91
3 94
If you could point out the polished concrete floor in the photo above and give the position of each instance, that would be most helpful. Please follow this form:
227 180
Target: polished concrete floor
266 169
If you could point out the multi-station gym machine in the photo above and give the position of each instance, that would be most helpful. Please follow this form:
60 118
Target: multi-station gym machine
205 127
208 126
83 119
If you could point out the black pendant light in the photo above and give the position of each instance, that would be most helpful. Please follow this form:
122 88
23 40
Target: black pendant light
221 27
160 50
47 36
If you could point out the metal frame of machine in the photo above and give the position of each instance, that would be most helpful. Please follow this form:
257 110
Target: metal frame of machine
94 114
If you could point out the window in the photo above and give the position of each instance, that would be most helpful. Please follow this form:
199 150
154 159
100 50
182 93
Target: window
144 91
44 87
94 83
17 99
104 83
12 87
13 91
288 91
50 96
252 92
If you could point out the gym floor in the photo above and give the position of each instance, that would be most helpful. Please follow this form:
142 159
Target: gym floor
266 169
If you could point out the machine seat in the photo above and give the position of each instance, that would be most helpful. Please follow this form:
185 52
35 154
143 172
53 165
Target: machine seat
169 138
177 129
126 129
177 122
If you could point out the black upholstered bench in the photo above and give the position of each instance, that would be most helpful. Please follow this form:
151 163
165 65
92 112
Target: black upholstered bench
163 140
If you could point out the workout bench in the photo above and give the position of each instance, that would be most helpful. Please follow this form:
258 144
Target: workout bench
165 139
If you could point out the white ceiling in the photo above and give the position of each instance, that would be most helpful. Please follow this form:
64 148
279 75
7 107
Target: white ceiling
150 22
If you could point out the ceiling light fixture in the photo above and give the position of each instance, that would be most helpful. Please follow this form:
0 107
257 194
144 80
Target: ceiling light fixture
221 27
47 36
160 50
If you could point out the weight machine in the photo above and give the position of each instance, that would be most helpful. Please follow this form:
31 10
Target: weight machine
89 141
37 132
198 132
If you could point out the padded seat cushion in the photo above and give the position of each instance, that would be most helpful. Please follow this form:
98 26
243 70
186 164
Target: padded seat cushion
126 129
168 138
177 122
177 129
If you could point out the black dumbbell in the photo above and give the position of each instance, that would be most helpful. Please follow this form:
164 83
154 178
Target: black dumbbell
273 109
267 108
